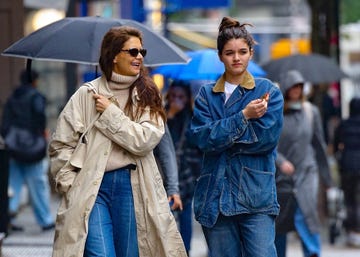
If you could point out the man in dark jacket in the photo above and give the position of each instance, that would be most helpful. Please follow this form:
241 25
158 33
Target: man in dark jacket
25 111
347 149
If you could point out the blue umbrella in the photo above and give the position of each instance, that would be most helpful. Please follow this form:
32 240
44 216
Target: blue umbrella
204 65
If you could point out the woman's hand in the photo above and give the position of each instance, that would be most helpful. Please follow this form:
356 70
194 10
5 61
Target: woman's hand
101 102
287 168
255 109
176 202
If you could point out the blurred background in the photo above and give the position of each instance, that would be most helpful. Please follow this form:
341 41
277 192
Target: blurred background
281 28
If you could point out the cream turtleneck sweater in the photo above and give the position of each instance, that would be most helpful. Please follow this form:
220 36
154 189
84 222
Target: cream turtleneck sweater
119 86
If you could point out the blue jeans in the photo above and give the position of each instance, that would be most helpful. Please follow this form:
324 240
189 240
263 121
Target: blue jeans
311 243
34 175
112 223
242 236
280 243
185 224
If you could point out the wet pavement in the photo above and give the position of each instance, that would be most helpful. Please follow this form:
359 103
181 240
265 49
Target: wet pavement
33 242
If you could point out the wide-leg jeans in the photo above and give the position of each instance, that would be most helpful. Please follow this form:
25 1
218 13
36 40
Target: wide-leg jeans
112 223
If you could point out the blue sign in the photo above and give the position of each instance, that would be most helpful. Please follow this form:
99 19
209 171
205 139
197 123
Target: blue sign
132 9
173 5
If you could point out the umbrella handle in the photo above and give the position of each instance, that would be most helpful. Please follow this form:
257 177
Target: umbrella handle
28 69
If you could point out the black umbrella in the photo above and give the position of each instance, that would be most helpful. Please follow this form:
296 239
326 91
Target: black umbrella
315 68
78 40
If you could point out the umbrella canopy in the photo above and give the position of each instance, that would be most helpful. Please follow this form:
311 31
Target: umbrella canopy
78 40
315 68
204 65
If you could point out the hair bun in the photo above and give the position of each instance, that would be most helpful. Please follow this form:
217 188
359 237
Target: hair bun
228 22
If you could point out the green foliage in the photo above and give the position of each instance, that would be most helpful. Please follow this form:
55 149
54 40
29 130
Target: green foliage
349 11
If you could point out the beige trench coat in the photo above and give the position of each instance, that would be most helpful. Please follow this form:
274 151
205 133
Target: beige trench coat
79 179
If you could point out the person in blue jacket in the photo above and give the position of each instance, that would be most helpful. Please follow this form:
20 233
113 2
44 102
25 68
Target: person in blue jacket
237 123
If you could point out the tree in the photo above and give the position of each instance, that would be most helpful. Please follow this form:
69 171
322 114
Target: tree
350 11
325 27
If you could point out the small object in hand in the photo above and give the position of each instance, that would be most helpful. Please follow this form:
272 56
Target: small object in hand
266 97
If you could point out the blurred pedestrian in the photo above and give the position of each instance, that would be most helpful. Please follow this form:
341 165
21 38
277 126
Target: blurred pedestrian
179 110
301 158
114 202
236 124
347 150
24 113
165 156
4 190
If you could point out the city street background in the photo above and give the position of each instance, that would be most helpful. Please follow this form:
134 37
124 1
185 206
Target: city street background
34 243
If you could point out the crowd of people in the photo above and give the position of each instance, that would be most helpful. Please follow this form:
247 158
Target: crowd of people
134 165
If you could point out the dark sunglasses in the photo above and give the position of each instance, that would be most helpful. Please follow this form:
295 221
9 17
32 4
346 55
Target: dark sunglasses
134 51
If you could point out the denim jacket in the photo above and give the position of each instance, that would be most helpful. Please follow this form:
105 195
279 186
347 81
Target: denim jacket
238 169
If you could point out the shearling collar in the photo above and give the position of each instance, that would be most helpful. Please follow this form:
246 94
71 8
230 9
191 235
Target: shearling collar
248 82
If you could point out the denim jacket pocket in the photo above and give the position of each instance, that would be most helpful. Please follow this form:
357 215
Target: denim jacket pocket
201 190
257 189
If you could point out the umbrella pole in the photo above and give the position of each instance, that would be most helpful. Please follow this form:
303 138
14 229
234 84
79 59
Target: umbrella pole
28 69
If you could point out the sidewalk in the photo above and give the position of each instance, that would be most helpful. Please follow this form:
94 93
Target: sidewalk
339 249
34 243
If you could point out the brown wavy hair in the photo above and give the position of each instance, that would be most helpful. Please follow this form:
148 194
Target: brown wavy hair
230 28
148 92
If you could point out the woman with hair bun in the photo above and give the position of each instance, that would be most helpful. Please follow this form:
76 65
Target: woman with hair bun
237 123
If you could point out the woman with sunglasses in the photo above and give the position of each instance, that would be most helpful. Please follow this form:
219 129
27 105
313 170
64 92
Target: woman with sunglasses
114 202
237 123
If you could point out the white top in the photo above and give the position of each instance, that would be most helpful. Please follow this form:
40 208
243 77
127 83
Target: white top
229 89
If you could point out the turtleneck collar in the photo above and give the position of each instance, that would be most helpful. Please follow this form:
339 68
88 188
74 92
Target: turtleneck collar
122 79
